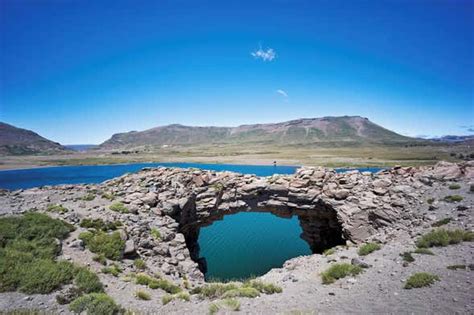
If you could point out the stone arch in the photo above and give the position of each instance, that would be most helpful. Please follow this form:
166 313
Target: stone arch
320 225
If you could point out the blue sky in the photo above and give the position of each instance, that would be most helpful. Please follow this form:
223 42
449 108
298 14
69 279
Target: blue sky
79 71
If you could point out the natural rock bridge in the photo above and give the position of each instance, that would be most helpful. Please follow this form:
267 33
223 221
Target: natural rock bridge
333 208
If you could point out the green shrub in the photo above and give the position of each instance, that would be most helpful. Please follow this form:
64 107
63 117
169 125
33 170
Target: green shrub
44 276
142 295
456 267
118 207
113 269
166 299
267 288
442 237
338 271
143 279
227 304
329 252
420 279
407 257
100 259
453 198
107 196
164 285
170 297
110 245
99 224
215 290
95 304
88 197
368 248
423 251
454 186
139 264
155 233
242 292
441 222
27 254
56 208
430 201
87 281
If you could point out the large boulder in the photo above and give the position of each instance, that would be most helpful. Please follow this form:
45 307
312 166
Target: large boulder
446 171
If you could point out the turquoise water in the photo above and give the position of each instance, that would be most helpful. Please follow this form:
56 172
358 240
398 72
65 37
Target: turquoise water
250 243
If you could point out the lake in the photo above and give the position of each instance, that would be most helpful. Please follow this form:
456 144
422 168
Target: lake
88 174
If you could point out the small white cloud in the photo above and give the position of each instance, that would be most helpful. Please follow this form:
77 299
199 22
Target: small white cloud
281 92
265 55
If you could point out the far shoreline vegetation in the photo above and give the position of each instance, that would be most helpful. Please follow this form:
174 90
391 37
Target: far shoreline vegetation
367 156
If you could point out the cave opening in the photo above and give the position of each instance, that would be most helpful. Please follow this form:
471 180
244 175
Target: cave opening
249 243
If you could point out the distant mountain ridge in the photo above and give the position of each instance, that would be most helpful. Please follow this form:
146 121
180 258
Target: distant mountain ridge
18 141
344 129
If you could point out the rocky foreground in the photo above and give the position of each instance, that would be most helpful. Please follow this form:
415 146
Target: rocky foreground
161 210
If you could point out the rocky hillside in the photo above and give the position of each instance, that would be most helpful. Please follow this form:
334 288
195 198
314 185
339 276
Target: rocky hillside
18 141
345 130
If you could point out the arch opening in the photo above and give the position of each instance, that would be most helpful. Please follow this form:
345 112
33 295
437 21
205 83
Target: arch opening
307 232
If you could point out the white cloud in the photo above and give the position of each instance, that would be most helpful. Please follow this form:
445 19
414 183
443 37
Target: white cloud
281 92
265 55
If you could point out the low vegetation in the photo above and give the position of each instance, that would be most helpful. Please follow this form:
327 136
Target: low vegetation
456 267
101 243
155 233
142 295
88 197
100 259
430 201
118 207
407 256
442 237
170 297
249 288
454 186
113 269
95 304
157 283
368 248
28 251
87 281
100 224
441 222
453 198
339 271
57 209
226 304
139 264
423 251
107 196
420 279
329 251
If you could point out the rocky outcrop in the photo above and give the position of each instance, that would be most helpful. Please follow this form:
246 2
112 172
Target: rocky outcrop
333 208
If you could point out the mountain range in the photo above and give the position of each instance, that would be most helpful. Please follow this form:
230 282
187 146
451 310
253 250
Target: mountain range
345 129
328 131
18 141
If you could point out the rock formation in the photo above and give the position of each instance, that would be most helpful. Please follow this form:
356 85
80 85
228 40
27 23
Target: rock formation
333 208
